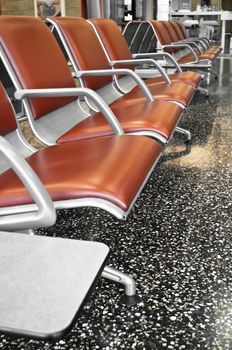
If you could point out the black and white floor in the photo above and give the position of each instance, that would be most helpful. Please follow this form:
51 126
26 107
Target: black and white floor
176 243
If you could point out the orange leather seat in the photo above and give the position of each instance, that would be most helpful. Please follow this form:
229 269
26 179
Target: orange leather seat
100 168
182 35
86 59
177 91
48 68
209 54
167 36
117 49
189 58
156 117
189 77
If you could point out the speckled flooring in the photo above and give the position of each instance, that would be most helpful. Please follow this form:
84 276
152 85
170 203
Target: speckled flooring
176 243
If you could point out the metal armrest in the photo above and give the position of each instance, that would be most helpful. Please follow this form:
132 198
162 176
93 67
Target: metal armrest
145 60
139 81
182 46
190 42
44 214
83 92
200 43
161 55
206 40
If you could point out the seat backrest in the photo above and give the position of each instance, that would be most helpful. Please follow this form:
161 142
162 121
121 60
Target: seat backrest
7 121
172 34
75 33
84 47
149 43
145 39
177 30
138 38
170 31
161 33
113 39
182 29
34 60
9 128
165 35
130 32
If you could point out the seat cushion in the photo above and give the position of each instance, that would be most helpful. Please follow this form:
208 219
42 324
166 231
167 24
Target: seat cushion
159 117
177 92
100 168
190 58
188 77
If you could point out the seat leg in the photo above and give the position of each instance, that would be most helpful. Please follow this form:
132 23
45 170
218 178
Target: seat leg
212 72
184 132
203 90
130 296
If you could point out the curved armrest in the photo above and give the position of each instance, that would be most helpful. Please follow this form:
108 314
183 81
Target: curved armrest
206 40
196 42
84 92
139 81
144 60
45 214
160 55
183 46
191 43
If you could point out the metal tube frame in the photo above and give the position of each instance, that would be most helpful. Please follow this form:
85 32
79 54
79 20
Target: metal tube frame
158 54
139 81
144 60
80 92
122 278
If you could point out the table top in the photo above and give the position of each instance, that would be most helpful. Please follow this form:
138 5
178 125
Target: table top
44 282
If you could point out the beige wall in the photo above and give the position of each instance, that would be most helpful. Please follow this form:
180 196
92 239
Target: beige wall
26 7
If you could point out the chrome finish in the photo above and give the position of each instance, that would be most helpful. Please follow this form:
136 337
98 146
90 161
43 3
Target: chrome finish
122 278
144 60
83 92
139 81
14 139
152 134
186 46
162 54
184 132
203 90
102 203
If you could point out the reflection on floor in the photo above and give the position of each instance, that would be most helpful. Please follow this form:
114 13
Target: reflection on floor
176 243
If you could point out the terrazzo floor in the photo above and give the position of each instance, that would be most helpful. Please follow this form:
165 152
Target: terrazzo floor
176 243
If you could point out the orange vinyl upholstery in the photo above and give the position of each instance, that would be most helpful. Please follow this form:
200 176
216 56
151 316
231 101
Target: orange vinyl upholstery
47 70
181 32
114 42
97 168
117 49
177 30
7 121
167 36
177 91
85 48
140 108
161 117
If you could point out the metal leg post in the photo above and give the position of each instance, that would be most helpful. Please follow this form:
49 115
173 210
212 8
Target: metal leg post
112 274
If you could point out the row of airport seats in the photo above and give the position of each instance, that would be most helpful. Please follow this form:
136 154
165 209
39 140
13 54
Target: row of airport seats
94 138
170 36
